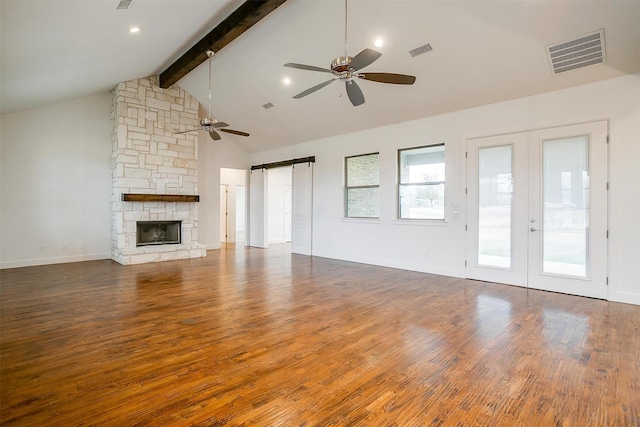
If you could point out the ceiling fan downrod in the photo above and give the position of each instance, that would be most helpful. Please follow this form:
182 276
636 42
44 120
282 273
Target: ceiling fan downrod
209 54
346 46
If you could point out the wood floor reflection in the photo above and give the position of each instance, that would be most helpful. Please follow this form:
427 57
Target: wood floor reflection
248 337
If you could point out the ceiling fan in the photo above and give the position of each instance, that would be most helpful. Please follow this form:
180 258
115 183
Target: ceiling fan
347 69
212 125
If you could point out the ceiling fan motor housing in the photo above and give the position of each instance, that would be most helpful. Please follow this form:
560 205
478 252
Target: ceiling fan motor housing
340 64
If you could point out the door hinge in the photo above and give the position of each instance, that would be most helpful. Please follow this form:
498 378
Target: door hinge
465 263
465 190
607 234
465 227
607 139
607 186
465 155
607 281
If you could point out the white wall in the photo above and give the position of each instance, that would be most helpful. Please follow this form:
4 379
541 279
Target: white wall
212 156
279 179
440 248
232 178
56 183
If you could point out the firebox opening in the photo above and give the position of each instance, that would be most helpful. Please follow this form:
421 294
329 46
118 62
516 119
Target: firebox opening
158 233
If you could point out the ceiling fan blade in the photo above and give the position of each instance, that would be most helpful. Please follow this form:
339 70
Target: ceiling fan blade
235 132
186 131
355 93
313 89
364 58
396 79
307 67
220 125
215 135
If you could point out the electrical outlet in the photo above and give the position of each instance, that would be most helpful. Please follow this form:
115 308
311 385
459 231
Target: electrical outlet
42 248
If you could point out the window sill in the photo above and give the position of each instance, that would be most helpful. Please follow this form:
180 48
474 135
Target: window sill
362 220
421 222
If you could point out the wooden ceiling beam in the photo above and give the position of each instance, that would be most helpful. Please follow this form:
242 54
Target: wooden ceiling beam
243 18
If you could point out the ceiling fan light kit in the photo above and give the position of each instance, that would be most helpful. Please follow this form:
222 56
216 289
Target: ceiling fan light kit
347 69
210 125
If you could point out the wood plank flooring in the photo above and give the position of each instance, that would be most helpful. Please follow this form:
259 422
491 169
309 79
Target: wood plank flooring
248 337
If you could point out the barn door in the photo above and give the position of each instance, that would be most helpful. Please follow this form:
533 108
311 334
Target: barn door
302 208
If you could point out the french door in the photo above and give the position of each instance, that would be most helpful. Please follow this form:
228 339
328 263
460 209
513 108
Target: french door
537 209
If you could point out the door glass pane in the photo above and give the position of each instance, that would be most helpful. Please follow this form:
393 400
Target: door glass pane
495 203
565 231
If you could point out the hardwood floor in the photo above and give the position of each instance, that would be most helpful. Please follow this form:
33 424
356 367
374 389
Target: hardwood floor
264 338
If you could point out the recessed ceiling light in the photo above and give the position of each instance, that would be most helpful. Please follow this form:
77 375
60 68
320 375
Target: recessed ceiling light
379 42
134 29
286 81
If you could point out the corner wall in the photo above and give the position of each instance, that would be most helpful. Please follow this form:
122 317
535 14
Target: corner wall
214 155
440 247
55 183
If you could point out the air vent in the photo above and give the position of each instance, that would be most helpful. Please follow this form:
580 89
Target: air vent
124 4
267 105
582 52
420 50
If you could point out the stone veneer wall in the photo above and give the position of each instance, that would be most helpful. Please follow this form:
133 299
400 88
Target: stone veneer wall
148 158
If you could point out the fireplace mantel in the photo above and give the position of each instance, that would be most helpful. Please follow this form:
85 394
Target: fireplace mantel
135 197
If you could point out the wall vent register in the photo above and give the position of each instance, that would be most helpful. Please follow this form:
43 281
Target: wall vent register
578 53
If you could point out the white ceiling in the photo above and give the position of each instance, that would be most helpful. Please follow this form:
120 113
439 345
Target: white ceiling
484 52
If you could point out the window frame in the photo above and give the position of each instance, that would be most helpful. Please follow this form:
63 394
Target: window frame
401 184
347 187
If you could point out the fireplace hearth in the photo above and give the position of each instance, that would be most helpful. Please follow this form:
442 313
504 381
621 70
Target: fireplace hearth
158 233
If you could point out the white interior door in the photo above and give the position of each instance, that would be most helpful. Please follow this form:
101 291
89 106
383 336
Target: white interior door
257 208
224 213
537 209
287 213
301 226
240 214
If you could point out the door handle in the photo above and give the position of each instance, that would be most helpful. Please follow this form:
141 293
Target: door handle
532 229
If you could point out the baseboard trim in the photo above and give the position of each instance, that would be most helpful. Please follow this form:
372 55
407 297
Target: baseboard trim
54 260
625 297
449 272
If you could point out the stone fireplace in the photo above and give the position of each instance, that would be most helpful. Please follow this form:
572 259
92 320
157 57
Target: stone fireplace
154 173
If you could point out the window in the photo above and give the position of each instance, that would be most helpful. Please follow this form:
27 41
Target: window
362 181
421 182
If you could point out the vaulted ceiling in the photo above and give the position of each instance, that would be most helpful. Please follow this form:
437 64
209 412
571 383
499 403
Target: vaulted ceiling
483 52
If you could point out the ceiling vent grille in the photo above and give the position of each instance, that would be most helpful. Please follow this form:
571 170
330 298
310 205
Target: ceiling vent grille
582 52
420 50
124 4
